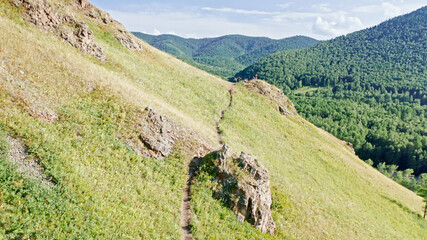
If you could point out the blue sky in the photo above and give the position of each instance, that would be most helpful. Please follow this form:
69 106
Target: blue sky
270 18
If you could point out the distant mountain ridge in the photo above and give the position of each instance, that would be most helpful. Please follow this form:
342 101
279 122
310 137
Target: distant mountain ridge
226 55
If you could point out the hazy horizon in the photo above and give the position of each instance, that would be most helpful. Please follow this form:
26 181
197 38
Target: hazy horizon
272 18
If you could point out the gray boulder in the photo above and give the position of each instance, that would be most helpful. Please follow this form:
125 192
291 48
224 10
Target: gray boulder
158 133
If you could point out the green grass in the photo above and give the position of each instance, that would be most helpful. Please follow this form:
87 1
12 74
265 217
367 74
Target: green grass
327 192
28 209
106 191
190 95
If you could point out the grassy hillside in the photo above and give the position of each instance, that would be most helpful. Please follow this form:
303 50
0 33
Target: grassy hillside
102 189
226 55
370 88
321 190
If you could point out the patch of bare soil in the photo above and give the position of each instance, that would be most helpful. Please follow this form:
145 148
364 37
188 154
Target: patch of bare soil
26 164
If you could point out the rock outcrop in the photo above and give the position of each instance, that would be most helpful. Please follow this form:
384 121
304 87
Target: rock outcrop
120 32
39 13
350 147
282 103
127 39
83 3
243 183
159 137
82 38
76 33
158 133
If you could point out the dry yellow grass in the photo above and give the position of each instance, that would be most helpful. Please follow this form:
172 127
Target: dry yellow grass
190 96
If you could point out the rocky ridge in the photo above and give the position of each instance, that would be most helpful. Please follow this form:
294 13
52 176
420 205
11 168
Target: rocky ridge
77 33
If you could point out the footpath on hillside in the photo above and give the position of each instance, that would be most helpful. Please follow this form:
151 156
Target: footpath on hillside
193 165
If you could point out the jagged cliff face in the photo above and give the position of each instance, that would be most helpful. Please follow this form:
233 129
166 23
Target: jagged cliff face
54 18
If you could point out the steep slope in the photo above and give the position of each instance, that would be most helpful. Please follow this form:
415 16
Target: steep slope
226 55
103 188
368 88
77 118
321 190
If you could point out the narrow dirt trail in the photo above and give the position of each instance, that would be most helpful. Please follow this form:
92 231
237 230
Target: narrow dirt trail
186 201
193 166
218 130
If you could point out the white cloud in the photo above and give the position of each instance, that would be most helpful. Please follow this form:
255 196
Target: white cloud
156 32
190 25
295 16
387 9
320 21
391 10
239 11
285 5
324 7
335 25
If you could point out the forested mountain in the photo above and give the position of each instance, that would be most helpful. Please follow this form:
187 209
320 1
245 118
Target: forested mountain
226 55
368 87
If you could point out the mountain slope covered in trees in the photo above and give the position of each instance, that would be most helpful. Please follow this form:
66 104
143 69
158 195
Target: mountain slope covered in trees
368 87
226 55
